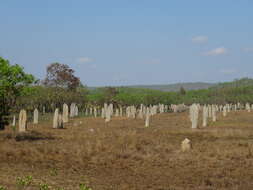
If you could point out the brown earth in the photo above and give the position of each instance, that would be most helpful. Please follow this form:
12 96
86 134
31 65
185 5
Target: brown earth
124 155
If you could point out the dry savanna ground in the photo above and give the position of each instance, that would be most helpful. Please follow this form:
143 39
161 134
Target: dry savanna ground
124 155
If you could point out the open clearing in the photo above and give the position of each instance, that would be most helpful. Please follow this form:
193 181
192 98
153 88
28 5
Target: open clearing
124 155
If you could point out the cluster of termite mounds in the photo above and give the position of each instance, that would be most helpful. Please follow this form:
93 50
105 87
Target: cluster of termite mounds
209 114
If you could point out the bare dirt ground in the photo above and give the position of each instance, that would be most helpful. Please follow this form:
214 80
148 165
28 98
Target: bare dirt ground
124 155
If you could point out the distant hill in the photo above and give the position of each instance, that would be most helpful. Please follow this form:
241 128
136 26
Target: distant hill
243 82
191 85
171 87
198 85
176 87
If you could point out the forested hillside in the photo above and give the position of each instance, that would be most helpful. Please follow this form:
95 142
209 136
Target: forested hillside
171 87
228 92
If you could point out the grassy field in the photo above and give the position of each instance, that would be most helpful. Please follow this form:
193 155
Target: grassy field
124 155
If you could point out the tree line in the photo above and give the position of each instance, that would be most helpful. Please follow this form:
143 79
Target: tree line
21 90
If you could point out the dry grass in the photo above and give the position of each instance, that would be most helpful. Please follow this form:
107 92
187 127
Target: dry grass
123 155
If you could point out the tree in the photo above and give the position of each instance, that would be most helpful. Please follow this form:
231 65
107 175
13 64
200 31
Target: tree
60 75
38 96
110 93
182 91
12 81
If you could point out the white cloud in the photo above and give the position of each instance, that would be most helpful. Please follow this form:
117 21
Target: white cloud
200 39
88 62
228 71
85 60
248 50
217 51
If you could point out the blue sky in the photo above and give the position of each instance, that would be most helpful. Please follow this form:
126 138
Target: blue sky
127 42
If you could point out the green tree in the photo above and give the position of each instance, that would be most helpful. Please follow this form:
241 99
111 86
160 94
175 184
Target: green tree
12 81
110 93
182 91
50 97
